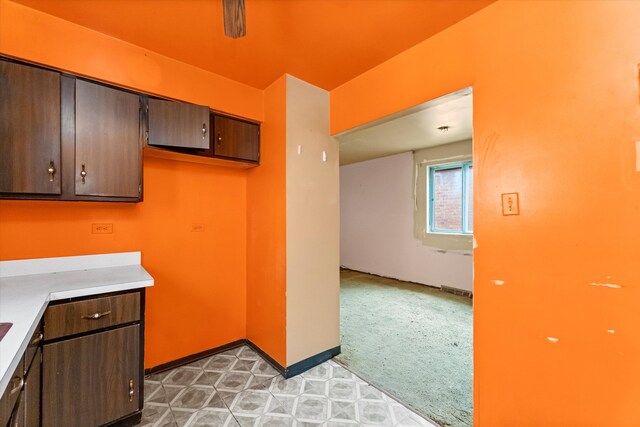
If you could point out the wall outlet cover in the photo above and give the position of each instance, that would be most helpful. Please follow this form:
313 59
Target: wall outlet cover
510 204
101 228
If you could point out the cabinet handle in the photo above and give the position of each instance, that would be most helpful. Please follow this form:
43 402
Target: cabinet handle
83 173
51 170
204 130
219 140
37 339
131 391
96 315
18 387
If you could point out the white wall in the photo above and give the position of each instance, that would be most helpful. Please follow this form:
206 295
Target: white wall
313 224
377 230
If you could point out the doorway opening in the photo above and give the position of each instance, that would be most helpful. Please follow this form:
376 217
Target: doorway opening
406 255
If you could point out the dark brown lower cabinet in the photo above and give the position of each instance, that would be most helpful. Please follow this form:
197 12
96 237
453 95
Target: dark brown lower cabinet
33 391
91 380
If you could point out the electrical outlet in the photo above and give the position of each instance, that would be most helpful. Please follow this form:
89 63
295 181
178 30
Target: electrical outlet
101 228
510 204
197 227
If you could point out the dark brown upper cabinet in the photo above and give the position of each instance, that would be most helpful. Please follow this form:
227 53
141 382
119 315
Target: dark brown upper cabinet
178 124
63 138
108 147
236 139
29 130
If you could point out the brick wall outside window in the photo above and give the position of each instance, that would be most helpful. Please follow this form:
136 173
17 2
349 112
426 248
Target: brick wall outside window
447 195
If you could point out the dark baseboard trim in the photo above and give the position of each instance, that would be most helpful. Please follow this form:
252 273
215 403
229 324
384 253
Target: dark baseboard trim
448 289
278 367
193 357
288 372
310 362
456 291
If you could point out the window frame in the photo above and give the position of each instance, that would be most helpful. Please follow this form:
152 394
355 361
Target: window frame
466 165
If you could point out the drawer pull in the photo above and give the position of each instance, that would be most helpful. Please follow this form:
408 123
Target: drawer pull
18 387
97 315
37 339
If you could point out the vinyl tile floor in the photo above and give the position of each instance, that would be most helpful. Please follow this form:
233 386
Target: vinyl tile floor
239 388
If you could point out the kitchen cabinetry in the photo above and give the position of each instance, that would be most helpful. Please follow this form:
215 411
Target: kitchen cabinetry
92 361
10 397
20 404
29 130
236 139
178 124
63 138
107 135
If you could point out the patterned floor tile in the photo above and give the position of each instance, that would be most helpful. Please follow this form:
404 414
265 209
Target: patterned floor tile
320 372
238 388
264 369
152 414
288 387
246 352
342 389
212 417
181 417
193 397
406 418
219 363
339 423
244 365
151 388
343 411
311 408
375 413
182 376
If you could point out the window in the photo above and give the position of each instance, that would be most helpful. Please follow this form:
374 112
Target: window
450 206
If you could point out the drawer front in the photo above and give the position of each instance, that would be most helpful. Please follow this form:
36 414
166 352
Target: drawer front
32 347
10 396
88 315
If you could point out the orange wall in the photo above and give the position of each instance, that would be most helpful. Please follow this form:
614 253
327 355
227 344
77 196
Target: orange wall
199 298
266 230
556 117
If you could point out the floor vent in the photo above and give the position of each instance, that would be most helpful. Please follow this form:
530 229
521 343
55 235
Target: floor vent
457 291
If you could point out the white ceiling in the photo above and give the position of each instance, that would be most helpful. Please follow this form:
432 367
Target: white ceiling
411 129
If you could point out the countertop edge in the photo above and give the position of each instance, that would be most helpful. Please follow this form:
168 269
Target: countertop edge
53 295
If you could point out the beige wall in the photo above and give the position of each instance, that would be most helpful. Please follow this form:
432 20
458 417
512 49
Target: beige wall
313 224
448 153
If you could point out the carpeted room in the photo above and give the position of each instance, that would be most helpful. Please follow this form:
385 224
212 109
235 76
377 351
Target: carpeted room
406 185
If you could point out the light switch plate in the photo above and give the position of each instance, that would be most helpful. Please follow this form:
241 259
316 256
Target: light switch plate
510 204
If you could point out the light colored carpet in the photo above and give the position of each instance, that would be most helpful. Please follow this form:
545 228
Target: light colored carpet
412 341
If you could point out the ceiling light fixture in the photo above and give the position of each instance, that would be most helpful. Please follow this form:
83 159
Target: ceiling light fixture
443 129
234 18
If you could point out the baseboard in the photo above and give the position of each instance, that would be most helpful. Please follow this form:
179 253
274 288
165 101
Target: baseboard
456 291
288 372
443 288
310 362
193 357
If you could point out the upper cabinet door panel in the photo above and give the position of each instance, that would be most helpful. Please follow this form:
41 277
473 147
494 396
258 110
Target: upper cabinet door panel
236 139
108 142
178 124
29 129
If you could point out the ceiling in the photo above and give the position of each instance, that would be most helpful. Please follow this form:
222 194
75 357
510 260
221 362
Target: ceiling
324 42
412 129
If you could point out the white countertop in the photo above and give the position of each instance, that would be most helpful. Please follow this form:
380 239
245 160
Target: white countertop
27 286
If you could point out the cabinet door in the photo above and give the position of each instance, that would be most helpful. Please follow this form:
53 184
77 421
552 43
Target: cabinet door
178 124
32 392
108 143
29 129
91 380
236 139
